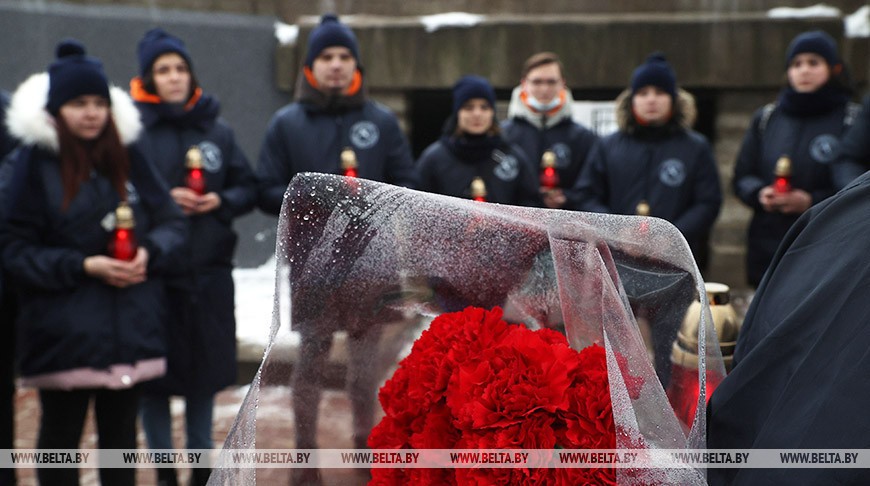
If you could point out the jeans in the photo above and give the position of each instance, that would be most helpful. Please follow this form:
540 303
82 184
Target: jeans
157 421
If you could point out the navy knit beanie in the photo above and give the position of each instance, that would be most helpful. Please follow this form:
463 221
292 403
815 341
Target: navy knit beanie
815 42
655 71
330 33
74 74
470 87
154 44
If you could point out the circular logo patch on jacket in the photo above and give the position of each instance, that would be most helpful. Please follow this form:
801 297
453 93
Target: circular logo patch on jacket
563 155
508 166
672 172
212 160
824 148
132 193
364 134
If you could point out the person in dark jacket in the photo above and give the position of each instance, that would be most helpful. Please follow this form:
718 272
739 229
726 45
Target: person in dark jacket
331 116
539 121
804 126
800 366
7 312
655 165
7 141
90 325
854 158
332 112
182 128
471 159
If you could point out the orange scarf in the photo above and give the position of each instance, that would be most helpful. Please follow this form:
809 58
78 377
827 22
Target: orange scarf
355 84
138 93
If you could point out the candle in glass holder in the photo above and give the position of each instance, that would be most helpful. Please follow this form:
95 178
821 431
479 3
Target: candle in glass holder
642 208
123 244
684 390
549 178
194 179
782 175
349 165
478 190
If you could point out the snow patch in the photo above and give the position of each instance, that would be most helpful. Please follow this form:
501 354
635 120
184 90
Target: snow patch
451 19
820 10
858 24
286 34
255 288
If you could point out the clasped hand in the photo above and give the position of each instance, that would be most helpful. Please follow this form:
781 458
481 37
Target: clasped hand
193 203
118 273
795 201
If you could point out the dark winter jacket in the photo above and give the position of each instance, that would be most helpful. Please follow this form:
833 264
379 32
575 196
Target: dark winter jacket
7 142
670 167
7 168
535 134
812 144
166 140
854 157
309 135
201 327
448 167
75 331
800 366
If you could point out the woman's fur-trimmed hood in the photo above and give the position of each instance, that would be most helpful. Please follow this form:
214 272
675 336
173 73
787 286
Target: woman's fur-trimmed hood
29 121
685 111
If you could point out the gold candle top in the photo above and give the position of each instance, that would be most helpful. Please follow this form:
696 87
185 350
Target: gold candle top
348 159
642 208
124 216
193 158
783 167
478 188
548 160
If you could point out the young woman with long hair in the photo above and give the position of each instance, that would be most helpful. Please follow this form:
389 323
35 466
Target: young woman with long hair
90 319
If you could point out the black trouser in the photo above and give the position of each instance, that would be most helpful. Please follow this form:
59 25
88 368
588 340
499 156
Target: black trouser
7 381
63 417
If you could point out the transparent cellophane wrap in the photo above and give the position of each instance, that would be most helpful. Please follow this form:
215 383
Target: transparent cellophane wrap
355 255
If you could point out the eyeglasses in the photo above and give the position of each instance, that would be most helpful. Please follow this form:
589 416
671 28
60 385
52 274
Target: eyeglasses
543 82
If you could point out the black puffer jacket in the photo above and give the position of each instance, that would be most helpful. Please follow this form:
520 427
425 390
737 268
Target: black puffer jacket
854 157
309 135
166 140
449 165
535 134
72 328
812 143
201 326
671 168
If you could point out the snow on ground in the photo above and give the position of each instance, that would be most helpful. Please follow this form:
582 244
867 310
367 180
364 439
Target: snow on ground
255 288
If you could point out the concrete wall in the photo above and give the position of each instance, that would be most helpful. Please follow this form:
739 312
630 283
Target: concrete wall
739 51
290 9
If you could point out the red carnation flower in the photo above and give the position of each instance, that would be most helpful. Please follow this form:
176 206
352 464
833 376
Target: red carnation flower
523 373
474 382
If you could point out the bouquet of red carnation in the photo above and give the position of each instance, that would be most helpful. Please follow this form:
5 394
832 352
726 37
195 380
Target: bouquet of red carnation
473 381
370 259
